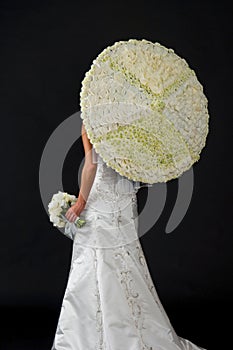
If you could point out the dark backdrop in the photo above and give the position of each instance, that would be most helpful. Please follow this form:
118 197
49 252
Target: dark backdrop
46 47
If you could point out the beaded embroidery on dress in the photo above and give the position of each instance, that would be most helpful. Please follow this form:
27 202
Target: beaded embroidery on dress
110 301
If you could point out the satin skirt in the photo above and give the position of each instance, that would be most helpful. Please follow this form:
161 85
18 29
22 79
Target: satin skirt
110 303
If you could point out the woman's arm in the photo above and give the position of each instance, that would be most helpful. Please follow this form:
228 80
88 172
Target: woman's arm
89 168
87 179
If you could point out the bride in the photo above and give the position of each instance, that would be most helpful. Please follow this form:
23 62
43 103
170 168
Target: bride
110 302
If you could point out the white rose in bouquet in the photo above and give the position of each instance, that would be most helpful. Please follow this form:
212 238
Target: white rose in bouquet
58 207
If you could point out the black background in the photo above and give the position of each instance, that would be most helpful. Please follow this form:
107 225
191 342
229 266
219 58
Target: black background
46 47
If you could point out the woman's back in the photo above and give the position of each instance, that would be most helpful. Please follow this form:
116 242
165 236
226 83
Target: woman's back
110 211
109 185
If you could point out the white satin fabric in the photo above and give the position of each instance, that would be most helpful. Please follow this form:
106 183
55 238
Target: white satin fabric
110 302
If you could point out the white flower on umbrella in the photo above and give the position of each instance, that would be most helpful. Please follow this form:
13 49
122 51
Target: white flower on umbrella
144 111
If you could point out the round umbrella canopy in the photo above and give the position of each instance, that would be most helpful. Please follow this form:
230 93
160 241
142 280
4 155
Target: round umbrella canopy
144 111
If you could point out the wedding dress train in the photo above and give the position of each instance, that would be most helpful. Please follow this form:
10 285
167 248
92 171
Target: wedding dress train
110 302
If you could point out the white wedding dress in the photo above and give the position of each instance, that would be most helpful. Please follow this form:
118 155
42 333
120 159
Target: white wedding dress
110 302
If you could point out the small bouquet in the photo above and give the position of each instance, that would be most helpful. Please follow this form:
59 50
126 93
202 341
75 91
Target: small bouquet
58 207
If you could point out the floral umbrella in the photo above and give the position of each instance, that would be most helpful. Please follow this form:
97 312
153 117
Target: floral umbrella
144 111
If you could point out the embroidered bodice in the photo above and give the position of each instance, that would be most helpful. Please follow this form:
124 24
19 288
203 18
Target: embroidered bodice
111 210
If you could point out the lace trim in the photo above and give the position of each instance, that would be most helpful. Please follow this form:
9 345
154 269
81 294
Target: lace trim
147 275
141 257
126 279
100 345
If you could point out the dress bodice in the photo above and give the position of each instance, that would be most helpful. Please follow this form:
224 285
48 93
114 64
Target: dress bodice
111 210
109 186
